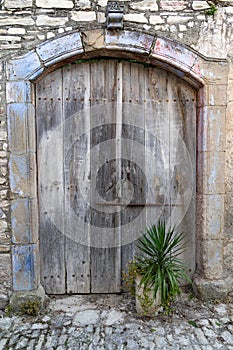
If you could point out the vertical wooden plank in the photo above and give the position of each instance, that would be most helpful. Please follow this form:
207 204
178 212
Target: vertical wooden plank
158 140
76 88
50 178
133 164
104 261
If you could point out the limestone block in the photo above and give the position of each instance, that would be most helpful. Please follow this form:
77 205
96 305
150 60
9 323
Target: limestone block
93 39
18 31
208 290
178 19
156 20
13 20
44 20
213 265
24 259
211 129
19 297
10 38
21 128
211 166
3 135
216 95
22 170
101 18
19 91
137 17
173 5
65 4
83 16
14 4
25 67
135 41
60 48
171 51
212 72
24 221
145 5
102 2
213 207
200 5
85 4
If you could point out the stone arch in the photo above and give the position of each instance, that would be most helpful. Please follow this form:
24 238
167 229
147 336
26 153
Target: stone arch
203 74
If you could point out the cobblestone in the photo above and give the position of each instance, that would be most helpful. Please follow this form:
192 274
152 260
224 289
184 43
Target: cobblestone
114 325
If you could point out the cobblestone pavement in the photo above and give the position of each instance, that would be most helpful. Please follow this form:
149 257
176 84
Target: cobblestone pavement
98 322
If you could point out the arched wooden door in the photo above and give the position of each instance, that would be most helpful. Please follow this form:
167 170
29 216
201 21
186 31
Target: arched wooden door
116 152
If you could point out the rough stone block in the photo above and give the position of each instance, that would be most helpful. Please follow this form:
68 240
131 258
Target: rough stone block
135 17
24 213
83 16
17 31
169 51
156 20
145 5
65 4
130 41
200 5
228 216
5 248
48 21
173 5
15 4
61 48
23 265
20 297
21 128
93 39
209 290
228 258
18 91
85 4
13 20
24 68
22 170
178 20
5 268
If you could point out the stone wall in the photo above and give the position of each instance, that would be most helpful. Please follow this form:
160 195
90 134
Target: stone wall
206 28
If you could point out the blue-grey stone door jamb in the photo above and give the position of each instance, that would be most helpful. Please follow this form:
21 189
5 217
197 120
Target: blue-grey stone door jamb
21 76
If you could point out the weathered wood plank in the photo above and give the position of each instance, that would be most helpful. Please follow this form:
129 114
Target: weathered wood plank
105 264
50 177
76 94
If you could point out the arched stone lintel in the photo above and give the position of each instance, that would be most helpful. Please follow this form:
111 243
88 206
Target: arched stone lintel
169 55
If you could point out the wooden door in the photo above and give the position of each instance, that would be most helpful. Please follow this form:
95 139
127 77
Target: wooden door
116 152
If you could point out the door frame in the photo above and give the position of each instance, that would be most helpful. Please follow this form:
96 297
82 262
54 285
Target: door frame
209 77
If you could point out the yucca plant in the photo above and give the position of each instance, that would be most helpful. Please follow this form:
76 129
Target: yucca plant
160 268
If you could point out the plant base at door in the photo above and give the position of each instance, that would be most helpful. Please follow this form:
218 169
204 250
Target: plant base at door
154 276
146 304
